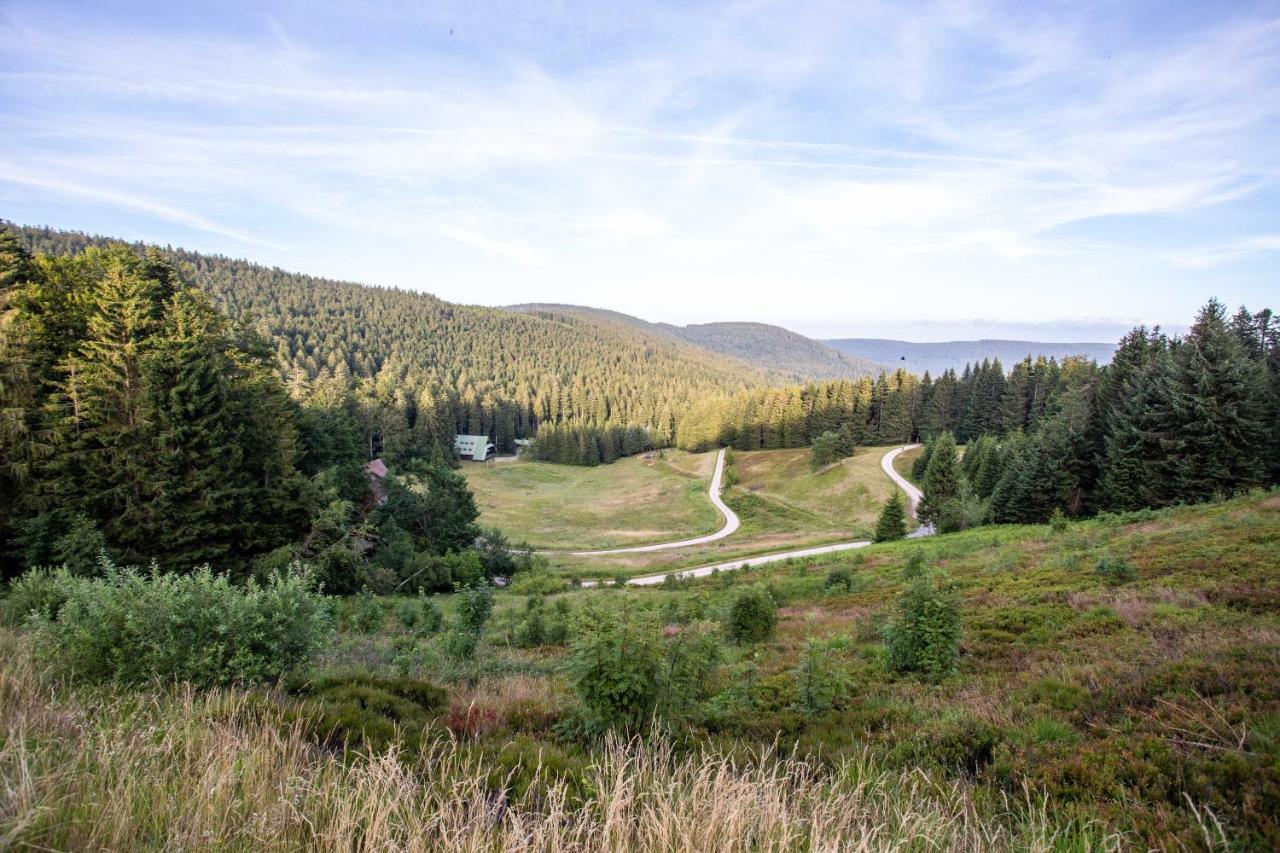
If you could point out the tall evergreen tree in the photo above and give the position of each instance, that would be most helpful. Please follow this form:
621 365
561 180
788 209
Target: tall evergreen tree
943 480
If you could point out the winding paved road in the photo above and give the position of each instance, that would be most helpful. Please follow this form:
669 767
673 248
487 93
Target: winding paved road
886 463
731 522
914 495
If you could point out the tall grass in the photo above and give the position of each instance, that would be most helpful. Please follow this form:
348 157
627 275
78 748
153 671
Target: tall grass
175 768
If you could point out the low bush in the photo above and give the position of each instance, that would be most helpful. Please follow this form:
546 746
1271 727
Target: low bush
36 593
752 615
924 636
365 614
838 580
364 710
129 626
1116 570
421 615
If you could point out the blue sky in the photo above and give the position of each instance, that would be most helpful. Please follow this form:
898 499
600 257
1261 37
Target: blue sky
959 169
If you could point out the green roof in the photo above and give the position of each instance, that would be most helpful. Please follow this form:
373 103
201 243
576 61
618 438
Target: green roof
471 445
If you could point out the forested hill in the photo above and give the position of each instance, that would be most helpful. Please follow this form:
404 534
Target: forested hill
954 355
421 368
793 356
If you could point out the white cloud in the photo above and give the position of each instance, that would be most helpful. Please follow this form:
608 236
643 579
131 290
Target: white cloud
824 156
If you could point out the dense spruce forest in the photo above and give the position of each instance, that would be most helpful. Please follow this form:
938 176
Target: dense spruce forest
414 370
139 423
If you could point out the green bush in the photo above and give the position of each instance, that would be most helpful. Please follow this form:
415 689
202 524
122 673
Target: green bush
364 709
839 579
1116 570
625 674
924 636
752 615
130 627
821 678
538 583
957 742
1058 522
421 615
613 667
366 614
474 606
38 592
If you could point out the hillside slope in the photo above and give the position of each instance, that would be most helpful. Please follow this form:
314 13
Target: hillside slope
789 355
476 369
937 357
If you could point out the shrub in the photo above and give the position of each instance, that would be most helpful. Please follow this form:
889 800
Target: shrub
924 636
421 615
474 606
824 451
532 629
752 616
1116 570
130 627
957 742
613 668
538 583
689 661
37 592
821 679
366 614
839 579
1058 522
363 709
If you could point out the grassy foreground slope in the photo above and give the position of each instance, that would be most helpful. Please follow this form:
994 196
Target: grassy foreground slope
1083 715
634 501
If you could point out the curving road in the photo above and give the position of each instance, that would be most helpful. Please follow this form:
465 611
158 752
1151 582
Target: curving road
914 495
886 463
731 522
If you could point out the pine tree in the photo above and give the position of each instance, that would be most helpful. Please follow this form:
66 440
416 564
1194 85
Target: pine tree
892 523
1143 449
943 480
1219 404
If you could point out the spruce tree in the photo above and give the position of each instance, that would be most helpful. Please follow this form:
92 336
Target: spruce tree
892 523
943 480
1219 403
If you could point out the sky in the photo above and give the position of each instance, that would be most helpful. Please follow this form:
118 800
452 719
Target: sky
924 171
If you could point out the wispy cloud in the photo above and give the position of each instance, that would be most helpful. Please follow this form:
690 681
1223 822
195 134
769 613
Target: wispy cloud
812 161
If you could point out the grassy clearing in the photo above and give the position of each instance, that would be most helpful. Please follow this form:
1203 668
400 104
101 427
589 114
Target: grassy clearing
634 501
847 496
782 505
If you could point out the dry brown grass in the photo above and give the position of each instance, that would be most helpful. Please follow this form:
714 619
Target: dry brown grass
177 769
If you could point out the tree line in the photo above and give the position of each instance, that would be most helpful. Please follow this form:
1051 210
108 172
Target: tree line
893 408
1170 420
137 421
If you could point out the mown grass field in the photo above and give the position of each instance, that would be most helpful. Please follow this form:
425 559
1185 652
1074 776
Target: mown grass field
903 461
634 501
1083 715
782 505
846 496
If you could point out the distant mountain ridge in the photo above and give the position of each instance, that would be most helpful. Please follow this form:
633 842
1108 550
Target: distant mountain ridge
937 357
779 350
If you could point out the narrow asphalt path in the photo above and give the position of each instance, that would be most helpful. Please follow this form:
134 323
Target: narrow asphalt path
731 522
886 463
914 495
